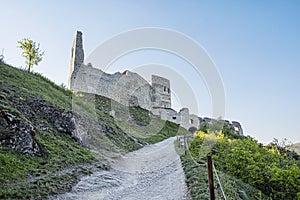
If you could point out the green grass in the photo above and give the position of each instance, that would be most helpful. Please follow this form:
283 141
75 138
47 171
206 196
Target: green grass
129 123
253 170
23 84
18 169
139 115
197 181
169 130
64 160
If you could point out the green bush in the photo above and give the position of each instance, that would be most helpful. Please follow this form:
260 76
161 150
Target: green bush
170 129
263 167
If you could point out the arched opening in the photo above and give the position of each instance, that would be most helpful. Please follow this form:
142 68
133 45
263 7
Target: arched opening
193 129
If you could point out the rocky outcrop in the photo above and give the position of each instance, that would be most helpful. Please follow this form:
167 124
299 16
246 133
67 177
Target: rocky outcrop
234 126
17 129
61 119
16 133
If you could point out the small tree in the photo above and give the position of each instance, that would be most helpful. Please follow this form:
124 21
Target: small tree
2 57
31 51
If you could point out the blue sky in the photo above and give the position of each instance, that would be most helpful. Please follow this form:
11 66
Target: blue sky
254 44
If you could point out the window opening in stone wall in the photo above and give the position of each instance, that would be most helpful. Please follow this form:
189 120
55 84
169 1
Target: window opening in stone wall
165 88
191 121
174 117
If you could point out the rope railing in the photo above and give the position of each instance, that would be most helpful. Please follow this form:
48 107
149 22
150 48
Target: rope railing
219 181
212 167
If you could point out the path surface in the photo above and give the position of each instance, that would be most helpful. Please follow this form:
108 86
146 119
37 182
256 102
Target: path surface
153 172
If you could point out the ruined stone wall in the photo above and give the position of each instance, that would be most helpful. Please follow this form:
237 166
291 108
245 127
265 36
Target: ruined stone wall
167 114
235 126
183 117
77 58
161 92
194 122
126 88
131 89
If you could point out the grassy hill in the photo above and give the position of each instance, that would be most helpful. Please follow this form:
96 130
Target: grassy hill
50 137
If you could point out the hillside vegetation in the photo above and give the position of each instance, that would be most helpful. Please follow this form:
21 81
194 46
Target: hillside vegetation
50 137
247 169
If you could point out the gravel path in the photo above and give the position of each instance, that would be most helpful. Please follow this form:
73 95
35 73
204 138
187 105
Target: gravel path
153 172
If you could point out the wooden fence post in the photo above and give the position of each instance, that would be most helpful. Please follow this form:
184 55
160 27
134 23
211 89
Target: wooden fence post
185 145
210 178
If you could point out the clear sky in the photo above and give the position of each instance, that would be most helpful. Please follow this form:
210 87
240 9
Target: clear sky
254 44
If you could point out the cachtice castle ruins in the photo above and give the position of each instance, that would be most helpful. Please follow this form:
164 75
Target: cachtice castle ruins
130 89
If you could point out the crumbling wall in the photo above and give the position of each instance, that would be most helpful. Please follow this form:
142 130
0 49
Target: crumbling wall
161 92
77 58
131 89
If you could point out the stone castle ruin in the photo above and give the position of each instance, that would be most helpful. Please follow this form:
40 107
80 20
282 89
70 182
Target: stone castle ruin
130 89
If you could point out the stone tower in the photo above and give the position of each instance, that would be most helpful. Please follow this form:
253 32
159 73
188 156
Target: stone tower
77 58
161 92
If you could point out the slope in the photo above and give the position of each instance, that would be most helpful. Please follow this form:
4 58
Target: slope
50 136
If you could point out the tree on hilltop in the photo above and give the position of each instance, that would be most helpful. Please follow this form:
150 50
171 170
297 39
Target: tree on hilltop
31 52
2 57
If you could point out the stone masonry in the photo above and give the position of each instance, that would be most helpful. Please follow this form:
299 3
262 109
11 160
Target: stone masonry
77 57
161 92
130 89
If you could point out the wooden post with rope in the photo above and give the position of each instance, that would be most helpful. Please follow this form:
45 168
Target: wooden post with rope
210 178
185 145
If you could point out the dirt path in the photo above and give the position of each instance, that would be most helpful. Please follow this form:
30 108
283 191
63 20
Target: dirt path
153 172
